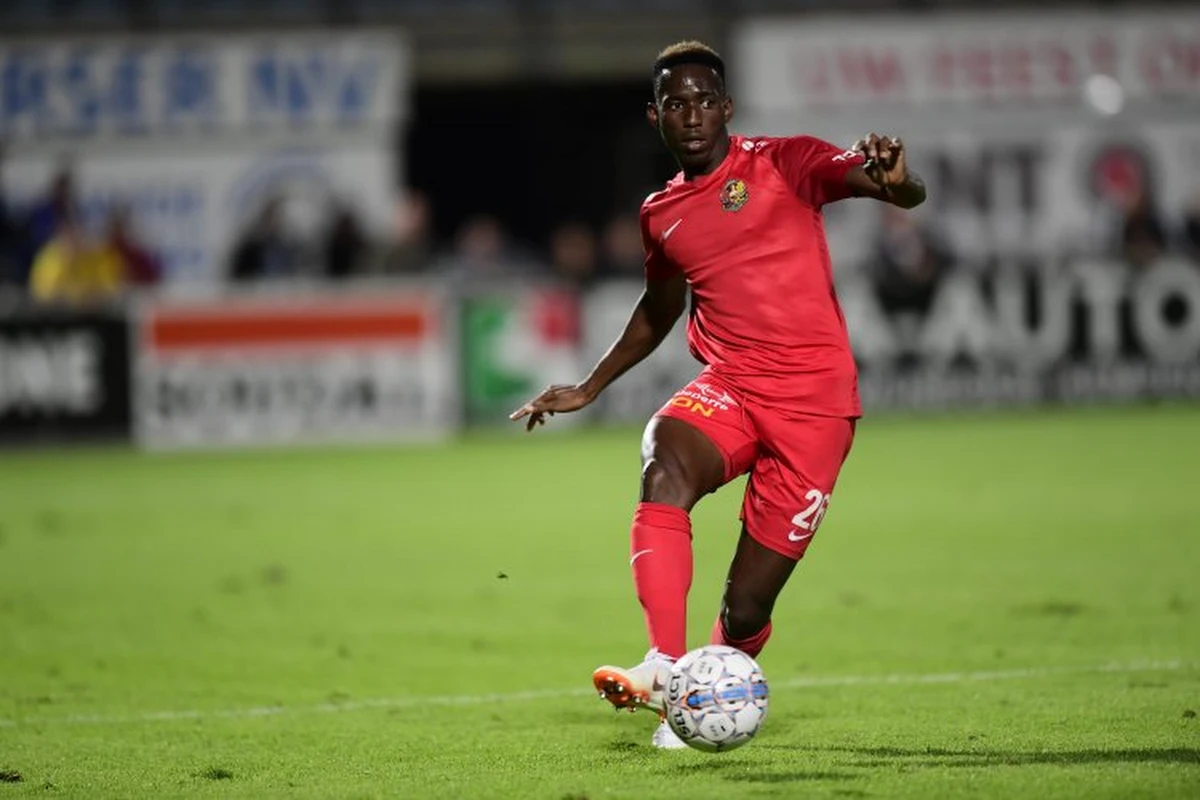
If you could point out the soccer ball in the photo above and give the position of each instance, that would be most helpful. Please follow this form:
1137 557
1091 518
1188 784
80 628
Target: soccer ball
716 698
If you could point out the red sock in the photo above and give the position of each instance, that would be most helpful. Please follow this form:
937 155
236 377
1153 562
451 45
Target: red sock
751 646
661 557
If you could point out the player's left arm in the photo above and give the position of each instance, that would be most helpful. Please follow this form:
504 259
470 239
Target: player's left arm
885 175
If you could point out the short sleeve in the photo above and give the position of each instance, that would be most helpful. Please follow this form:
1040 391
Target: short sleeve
658 266
813 168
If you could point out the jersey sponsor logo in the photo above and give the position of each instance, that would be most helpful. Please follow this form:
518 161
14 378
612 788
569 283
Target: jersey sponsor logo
714 394
847 155
734 194
667 233
704 400
695 404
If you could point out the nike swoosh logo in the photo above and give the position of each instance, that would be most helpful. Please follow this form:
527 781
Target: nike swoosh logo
670 230
638 555
792 537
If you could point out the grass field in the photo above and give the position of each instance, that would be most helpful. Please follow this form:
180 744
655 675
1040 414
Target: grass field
996 606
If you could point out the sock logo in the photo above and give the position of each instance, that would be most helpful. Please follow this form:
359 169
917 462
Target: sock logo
638 555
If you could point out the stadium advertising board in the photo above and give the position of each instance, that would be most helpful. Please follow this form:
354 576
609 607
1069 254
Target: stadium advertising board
198 135
514 344
333 367
1034 133
63 376
1097 332
145 87
983 61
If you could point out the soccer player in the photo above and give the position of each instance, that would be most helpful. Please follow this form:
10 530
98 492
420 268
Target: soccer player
740 226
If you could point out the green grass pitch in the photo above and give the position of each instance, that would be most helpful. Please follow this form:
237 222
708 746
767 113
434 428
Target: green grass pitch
997 605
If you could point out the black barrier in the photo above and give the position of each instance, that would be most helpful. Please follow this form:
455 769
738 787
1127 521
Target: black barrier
64 376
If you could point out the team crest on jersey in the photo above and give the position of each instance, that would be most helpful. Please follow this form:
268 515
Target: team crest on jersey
734 195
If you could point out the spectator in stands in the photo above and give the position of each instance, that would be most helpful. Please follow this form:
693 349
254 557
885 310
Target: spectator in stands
411 248
140 266
345 248
70 270
1143 236
623 255
909 263
574 254
264 251
482 240
51 214
483 251
1191 228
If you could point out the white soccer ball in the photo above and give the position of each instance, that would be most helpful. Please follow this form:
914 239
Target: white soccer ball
716 698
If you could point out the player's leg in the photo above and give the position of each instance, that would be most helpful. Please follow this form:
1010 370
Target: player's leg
680 463
700 440
679 466
786 499
696 443
756 577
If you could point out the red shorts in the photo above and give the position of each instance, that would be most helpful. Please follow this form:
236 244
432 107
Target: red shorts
793 459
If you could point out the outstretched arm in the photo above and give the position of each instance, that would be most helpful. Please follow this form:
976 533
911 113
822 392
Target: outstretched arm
885 175
660 305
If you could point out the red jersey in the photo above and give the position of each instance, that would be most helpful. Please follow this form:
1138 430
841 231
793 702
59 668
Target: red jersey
750 240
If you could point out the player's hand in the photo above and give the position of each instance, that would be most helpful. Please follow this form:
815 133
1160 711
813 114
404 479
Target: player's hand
554 400
885 160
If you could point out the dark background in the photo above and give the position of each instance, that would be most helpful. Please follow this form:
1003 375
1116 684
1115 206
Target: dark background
534 154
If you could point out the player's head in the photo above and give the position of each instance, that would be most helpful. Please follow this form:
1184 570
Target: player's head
691 108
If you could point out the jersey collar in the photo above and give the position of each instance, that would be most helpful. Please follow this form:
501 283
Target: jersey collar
702 181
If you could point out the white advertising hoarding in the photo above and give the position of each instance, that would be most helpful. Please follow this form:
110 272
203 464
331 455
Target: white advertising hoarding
1094 333
145 87
981 60
196 134
255 369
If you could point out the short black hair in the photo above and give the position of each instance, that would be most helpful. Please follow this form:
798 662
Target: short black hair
689 51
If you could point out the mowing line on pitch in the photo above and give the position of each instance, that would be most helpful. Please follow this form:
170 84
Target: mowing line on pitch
799 682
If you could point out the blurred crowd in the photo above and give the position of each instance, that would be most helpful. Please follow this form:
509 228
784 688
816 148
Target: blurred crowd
481 247
47 250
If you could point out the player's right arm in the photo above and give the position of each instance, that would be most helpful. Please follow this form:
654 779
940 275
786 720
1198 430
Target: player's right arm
661 304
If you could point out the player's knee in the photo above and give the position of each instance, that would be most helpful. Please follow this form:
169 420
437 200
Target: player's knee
744 615
665 480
